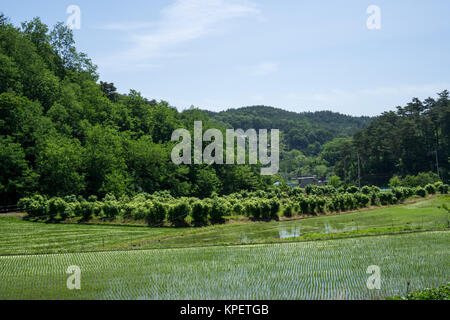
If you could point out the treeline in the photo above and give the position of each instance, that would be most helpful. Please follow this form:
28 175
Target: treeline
303 135
305 131
63 133
162 208
413 139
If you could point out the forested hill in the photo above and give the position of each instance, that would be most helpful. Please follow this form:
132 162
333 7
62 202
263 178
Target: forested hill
306 131
63 132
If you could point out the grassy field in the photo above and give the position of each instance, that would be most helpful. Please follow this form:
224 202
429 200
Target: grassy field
331 269
424 214
21 236
177 263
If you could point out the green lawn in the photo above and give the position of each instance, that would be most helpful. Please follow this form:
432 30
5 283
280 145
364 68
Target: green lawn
424 214
331 269
20 236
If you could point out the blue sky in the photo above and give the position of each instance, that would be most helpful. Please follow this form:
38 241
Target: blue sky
296 55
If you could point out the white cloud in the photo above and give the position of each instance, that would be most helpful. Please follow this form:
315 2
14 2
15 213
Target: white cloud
181 22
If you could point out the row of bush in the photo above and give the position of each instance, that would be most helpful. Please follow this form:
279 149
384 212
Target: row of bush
161 207
335 201
431 188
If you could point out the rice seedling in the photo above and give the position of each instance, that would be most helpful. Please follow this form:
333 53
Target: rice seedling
332 269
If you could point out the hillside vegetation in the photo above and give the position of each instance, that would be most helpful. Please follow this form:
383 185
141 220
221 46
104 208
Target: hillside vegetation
63 132
306 131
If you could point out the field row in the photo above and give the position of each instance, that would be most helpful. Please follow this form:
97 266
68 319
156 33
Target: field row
21 236
334 269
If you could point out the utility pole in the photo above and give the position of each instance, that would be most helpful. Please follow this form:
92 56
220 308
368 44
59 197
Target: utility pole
359 173
345 171
437 163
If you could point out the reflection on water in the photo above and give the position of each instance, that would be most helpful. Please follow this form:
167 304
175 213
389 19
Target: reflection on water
331 229
284 234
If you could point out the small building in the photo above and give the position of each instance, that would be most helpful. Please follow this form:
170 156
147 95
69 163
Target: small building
304 181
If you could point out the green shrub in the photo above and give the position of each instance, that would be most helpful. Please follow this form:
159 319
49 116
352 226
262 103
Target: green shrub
399 193
366 190
350 202
264 208
443 188
69 210
430 188
352 189
92 198
310 189
200 211
141 212
375 189
362 199
128 210
374 198
219 209
395 182
158 213
420 180
274 205
387 198
177 213
320 204
334 181
238 208
87 210
440 293
330 205
336 203
287 211
421 192
111 208
304 205
56 207
109 197
70 199
36 206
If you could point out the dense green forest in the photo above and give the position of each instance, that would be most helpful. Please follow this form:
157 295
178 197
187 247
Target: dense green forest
62 132
306 131
303 135
412 139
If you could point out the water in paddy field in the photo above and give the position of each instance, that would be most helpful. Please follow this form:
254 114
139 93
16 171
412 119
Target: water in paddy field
294 233
244 239
328 228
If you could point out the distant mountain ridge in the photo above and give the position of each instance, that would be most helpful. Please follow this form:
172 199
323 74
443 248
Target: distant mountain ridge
305 131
